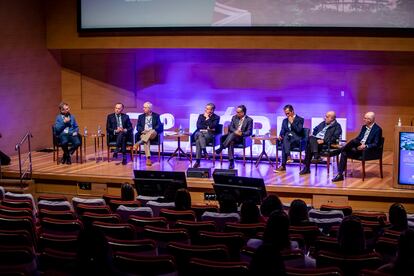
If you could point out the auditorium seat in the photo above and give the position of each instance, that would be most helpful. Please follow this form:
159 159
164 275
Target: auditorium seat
234 241
387 248
125 212
18 259
144 199
57 226
58 262
349 264
142 246
346 210
120 231
87 201
140 222
2 192
163 236
220 218
62 215
19 203
134 264
249 230
52 198
173 215
184 252
83 208
323 271
108 198
194 227
19 223
327 244
16 238
114 204
66 243
157 206
201 267
55 205
16 212
201 209
310 234
89 218
14 196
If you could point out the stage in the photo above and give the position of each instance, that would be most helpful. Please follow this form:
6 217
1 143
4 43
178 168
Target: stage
97 176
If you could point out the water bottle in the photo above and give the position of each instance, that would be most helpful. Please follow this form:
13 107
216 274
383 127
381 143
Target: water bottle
399 121
180 129
85 131
256 132
99 131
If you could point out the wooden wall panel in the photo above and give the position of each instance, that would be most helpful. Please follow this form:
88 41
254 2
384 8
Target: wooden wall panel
30 88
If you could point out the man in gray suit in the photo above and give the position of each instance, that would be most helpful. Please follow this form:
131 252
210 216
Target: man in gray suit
241 126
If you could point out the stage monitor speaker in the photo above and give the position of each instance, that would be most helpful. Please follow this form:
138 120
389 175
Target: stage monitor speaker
4 159
199 172
225 172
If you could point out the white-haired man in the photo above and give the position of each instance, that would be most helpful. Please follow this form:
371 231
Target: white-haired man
148 127
368 138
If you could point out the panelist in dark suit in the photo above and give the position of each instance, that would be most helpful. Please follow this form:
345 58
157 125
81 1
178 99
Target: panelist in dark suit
290 134
67 131
326 133
206 128
148 127
241 126
119 129
369 138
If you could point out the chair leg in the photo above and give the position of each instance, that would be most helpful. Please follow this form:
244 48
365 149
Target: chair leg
54 153
57 156
244 156
251 154
162 150
221 159
108 151
381 172
191 154
159 152
363 170
214 155
300 160
131 152
139 151
328 164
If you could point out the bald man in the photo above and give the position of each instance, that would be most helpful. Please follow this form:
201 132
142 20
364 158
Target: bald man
368 138
326 133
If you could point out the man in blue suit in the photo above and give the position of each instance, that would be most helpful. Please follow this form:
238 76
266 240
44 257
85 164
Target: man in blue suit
369 138
66 129
290 134
119 129
326 133
148 127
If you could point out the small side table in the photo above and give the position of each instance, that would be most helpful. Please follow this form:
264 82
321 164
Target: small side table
178 150
98 141
264 138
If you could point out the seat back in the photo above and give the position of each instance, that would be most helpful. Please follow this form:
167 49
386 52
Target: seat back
324 271
220 218
145 265
249 230
89 218
346 210
144 246
66 243
100 209
208 267
58 226
125 212
54 205
63 215
374 153
234 241
114 204
194 227
173 215
121 231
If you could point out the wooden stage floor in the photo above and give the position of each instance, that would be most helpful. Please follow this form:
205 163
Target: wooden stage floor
316 188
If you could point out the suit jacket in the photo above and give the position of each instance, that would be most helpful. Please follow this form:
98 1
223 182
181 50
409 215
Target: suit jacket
374 137
211 123
332 134
246 128
111 124
60 125
156 123
296 127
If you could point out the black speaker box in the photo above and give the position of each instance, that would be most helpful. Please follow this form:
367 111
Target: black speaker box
225 172
199 172
4 159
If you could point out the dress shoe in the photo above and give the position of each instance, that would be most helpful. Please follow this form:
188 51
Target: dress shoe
124 161
148 161
68 160
305 170
219 150
289 160
231 165
196 164
280 169
337 178
115 155
63 160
